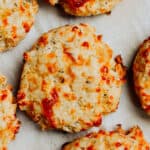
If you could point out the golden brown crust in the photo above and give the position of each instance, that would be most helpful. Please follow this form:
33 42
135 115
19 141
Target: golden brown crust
16 20
86 7
70 79
119 139
141 74
9 124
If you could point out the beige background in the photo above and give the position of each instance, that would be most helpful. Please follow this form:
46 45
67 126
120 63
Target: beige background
123 30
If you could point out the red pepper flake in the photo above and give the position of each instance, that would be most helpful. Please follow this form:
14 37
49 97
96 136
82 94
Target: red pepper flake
48 104
118 59
98 89
26 27
5 22
85 44
98 121
89 124
76 3
90 147
117 144
3 96
75 28
23 103
89 135
66 95
102 132
22 8
103 78
25 56
77 144
69 55
21 95
145 53
104 69
147 109
99 37
43 41
79 3
111 133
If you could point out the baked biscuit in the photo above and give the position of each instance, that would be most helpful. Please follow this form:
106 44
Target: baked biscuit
70 79
86 7
9 124
118 139
141 75
16 19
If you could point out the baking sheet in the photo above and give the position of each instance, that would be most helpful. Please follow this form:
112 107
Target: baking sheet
123 30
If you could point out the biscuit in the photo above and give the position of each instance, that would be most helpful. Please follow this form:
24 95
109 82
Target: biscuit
141 75
9 124
16 20
86 7
69 79
118 139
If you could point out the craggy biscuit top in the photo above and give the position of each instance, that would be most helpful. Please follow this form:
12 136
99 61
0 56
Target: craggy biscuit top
141 72
9 124
86 7
118 139
16 19
69 79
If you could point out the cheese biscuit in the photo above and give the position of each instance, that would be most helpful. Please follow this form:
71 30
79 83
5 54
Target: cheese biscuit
86 7
70 79
141 75
118 139
9 124
16 20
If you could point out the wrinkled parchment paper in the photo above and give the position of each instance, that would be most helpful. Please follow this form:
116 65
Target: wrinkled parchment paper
123 30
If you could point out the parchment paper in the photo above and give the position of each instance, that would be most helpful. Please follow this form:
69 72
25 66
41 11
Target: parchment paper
124 30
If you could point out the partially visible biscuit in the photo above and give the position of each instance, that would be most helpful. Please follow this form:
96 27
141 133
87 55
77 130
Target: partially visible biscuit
16 20
70 79
141 74
9 124
118 139
86 7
